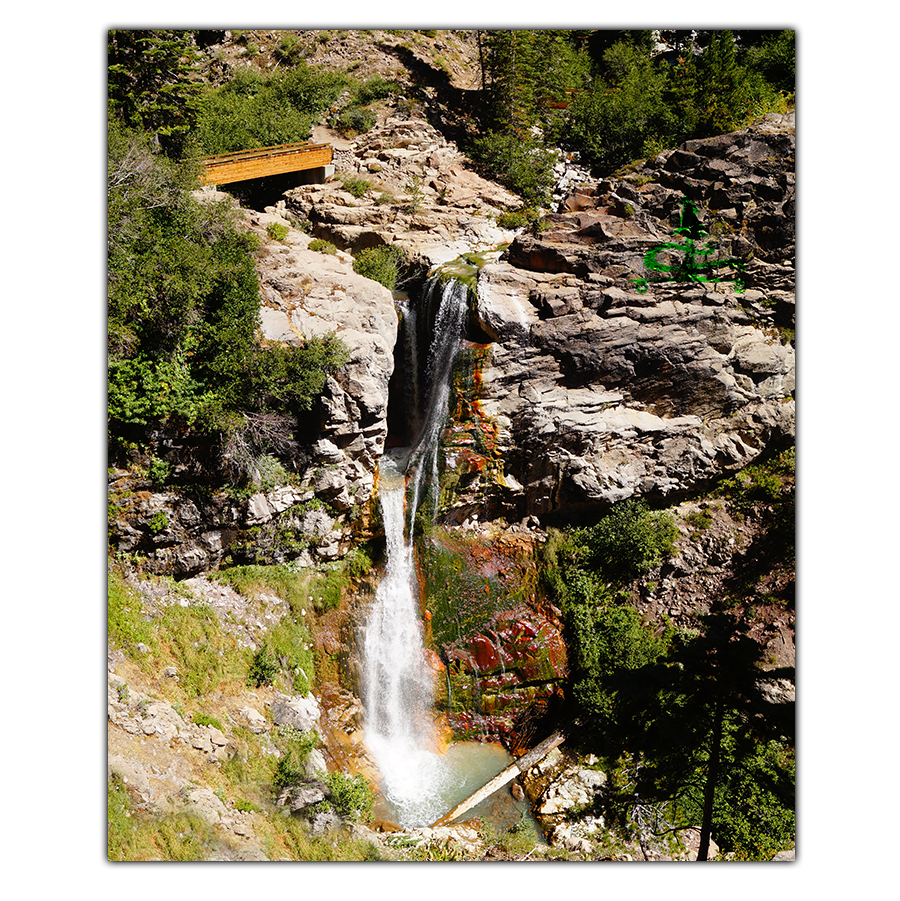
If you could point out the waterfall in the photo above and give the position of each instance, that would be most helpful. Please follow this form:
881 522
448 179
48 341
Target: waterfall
397 680
447 333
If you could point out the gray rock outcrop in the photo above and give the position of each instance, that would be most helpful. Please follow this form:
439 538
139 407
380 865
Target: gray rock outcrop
598 390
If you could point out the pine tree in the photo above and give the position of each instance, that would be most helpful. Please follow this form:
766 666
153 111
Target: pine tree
509 76
150 82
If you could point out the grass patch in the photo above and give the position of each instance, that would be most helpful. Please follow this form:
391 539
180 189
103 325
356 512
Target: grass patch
205 656
290 837
125 622
135 835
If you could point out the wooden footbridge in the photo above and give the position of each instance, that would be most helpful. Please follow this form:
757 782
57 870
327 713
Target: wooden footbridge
263 161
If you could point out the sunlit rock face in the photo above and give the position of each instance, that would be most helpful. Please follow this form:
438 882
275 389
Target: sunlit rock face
597 386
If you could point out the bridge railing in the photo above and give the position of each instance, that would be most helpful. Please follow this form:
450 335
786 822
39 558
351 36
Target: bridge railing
259 162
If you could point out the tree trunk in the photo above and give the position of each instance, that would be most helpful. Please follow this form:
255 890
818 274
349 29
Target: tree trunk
712 775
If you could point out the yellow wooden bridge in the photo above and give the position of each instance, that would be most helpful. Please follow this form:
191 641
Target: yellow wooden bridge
262 161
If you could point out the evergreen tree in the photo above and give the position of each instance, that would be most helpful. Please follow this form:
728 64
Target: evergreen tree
624 115
509 75
151 82
704 735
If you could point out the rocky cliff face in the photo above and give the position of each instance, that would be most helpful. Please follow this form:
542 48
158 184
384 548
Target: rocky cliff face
598 391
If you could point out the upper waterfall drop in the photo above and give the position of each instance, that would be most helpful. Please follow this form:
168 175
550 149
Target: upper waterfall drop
447 332
397 679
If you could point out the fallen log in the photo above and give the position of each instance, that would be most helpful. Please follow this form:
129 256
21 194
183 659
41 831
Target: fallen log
524 763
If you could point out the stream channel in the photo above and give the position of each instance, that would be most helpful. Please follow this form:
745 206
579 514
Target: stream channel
419 781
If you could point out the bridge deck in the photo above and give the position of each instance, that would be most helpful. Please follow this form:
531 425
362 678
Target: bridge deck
263 161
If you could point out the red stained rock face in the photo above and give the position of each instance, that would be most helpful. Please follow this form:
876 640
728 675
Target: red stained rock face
509 673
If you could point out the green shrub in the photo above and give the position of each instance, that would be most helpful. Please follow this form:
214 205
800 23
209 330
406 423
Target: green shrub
519 218
289 49
159 522
263 668
355 185
381 264
699 519
376 88
183 307
256 110
295 747
629 541
276 231
159 471
416 195
352 121
270 473
523 165
203 719
320 245
351 796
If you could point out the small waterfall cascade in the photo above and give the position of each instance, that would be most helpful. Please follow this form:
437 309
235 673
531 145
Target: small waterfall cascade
397 680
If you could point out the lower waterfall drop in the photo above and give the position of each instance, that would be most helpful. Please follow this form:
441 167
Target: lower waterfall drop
397 680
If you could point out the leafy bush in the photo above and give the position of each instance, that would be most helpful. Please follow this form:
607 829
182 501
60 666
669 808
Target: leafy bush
355 185
352 121
276 231
519 218
320 245
351 796
376 88
263 668
290 49
255 110
381 264
759 483
203 719
183 307
521 164
159 522
775 60
699 519
295 747
159 471
755 807
629 541
613 122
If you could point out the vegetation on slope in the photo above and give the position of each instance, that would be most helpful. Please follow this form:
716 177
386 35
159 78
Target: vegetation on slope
608 98
676 713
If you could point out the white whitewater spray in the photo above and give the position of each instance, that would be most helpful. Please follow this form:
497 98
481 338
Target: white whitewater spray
397 680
